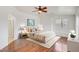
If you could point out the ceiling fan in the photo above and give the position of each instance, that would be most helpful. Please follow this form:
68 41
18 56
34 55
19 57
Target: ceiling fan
41 9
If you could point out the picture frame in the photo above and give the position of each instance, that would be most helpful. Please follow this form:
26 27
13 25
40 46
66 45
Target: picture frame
30 22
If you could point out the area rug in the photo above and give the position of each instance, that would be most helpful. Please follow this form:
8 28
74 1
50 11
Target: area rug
48 44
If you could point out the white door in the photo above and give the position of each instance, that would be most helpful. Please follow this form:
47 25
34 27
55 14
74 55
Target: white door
10 28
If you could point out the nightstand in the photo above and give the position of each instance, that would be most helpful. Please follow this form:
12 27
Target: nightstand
23 35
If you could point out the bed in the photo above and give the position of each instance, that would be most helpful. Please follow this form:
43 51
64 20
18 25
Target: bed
45 38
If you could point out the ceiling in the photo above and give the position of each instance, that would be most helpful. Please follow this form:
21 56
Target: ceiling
59 10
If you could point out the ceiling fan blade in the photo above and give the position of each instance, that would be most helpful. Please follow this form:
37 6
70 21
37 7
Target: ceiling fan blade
36 7
44 11
44 7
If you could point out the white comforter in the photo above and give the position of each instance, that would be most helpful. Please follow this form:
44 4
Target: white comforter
48 35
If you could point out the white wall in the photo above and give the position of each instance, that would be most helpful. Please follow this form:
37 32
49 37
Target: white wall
77 26
68 24
3 30
19 19
77 23
3 26
49 23
45 20
4 12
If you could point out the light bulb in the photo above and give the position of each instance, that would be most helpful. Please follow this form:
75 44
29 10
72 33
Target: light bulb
39 12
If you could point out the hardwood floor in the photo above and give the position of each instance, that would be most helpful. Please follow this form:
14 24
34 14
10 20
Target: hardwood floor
60 45
22 45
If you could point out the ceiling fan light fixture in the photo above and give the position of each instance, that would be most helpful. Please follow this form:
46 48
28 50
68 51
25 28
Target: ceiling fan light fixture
39 12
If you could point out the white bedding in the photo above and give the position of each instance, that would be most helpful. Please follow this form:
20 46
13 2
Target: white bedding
48 44
48 35
50 39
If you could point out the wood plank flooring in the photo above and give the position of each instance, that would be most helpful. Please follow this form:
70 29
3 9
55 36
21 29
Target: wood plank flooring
22 45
